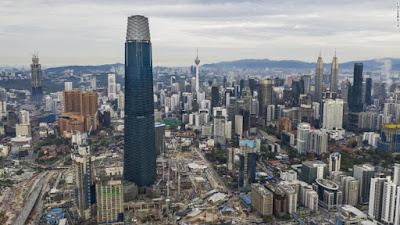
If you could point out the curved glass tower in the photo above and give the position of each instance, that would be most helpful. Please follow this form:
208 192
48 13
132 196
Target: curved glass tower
139 147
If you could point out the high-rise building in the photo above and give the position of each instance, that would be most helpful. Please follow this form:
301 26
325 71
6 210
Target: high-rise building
3 103
355 95
303 131
396 174
93 83
265 96
139 147
364 173
36 80
84 182
239 125
247 164
333 114
368 91
334 74
318 142
68 86
297 90
197 62
262 200
389 202
376 197
334 162
121 101
160 138
389 140
110 192
214 95
312 170
307 83
319 76
24 117
350 188
283 124
80 112
112 87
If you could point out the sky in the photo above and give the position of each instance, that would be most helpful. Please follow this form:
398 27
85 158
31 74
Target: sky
93 32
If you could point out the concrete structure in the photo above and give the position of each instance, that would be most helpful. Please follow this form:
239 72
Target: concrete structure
84 182
68 86
389 202
319 76
261 200
364 173
334 160
36 80
329 194
109 192
239 125
376 197
283 124
318 142
332 114
303 130
312 170
334 74
112 87
350 187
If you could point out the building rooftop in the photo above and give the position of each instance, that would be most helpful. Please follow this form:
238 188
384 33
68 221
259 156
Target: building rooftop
328 184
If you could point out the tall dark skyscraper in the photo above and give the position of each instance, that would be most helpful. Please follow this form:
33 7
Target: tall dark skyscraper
297 90
265 96
368 91
214 95
334 74
36 80
139 148
355 95
319 76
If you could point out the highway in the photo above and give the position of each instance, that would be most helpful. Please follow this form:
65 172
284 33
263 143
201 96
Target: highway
30 201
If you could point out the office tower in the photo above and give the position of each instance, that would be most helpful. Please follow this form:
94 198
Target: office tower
112 87
48 103
160 138
308 197
239 125
84 182
121 101
283 124
389 202
262 200
334 74
350 187
303 131
311 170
214 95
376 197
80 112
220 125
319 75
329 194
290 175
93 83
247 163
334 160
307 83
265 96
270 114
280 199
3 103
139 147
368 91
332 114
297 90
318 142
68 86
396 174
364 173
109 192
36 80
291 196
355 94
197 62
24 117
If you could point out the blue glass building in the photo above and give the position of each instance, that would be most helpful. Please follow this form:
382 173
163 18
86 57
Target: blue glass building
139 147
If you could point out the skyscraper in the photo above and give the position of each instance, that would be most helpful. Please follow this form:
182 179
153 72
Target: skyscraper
364 173
368 91
112 87
319 76
68 86
333 114
334 162
355 95
197 61
214 95
36 80
139 146
334 74
265 96
303 131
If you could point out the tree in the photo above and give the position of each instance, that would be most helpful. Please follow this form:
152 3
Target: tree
19 172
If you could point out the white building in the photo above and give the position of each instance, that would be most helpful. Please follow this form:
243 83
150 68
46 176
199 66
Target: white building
389 201
68 86
239 125
24 117
333 114
318 142
371 137
303 131
112 86
121 100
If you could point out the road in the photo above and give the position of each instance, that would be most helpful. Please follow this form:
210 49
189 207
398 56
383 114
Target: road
30 201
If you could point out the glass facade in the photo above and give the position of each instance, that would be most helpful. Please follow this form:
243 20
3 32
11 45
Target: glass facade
139 147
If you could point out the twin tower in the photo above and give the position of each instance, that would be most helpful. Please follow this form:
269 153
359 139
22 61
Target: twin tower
319 76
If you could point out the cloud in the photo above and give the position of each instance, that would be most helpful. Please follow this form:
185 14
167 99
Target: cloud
93 31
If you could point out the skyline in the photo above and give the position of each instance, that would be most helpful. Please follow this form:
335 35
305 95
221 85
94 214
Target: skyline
223 31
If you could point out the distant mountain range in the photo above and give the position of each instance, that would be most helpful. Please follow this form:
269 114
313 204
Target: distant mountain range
84 69
369 65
